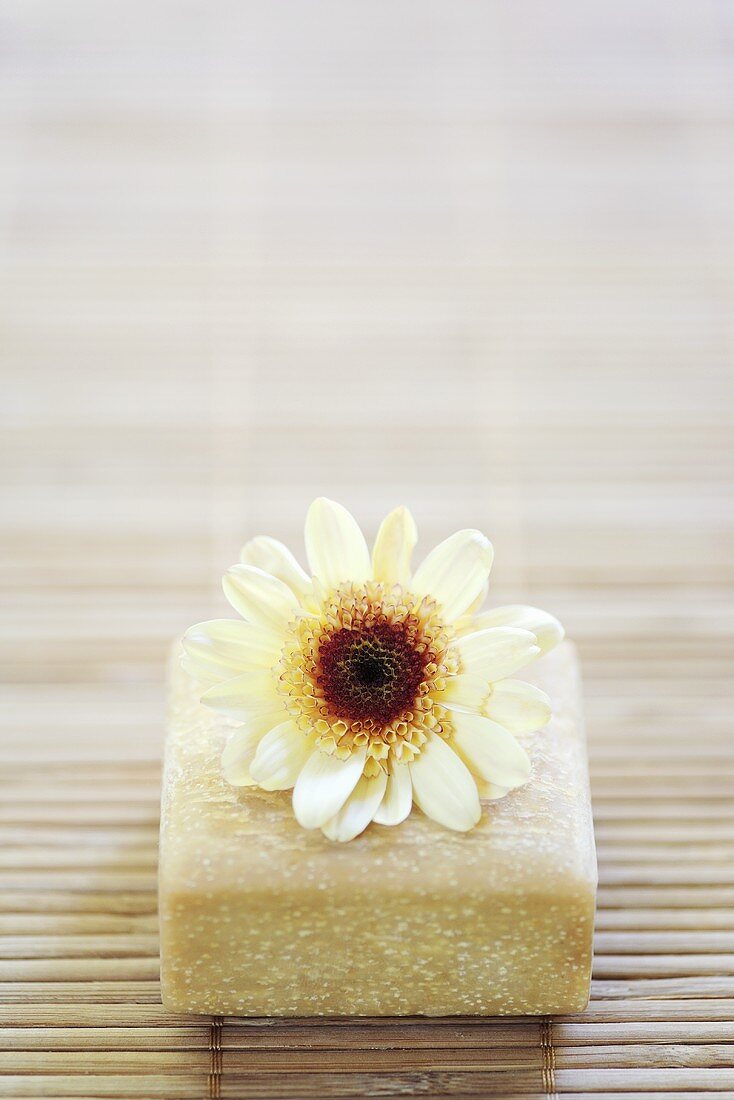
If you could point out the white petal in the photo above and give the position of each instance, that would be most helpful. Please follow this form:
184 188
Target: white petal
275 558
545 627
246 696
280 756
259 597
491 792
238 756
519 707
495 653
455 572
358 810
223 648
335 546
489 751
465 692
443 786
393 547
477 603
398 796
324 785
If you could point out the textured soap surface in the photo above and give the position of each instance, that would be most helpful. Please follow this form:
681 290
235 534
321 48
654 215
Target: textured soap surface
260 917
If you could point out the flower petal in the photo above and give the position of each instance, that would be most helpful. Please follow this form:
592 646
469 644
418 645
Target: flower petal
324 785
238 756
545 627
495 653
519 707
275 558
393 547
245 697
259 597
491 792
443 786
398 797
477 603
489 751
223 648
454 572
358 810
335 546
280 756
465 692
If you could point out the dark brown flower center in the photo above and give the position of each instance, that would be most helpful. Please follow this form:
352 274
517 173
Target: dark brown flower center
371 672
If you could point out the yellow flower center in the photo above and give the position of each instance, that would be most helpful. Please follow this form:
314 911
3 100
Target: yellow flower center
366 668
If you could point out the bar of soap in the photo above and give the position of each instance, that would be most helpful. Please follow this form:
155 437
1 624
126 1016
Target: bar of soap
260 917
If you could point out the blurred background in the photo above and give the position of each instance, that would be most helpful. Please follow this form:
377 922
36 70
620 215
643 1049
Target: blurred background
475 257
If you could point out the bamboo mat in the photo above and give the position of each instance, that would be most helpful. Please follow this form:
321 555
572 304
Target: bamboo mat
473 257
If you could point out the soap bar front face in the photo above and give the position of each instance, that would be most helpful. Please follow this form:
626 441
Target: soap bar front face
260 917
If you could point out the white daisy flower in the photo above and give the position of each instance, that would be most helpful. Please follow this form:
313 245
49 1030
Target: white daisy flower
365 687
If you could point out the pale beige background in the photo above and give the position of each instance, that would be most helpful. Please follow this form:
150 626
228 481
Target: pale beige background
473 257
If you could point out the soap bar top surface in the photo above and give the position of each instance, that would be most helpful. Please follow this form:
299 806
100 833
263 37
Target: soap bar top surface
235 863
215 834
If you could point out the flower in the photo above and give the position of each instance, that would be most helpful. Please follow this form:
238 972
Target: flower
366 687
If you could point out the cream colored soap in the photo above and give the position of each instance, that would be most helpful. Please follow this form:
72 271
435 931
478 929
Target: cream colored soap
260 917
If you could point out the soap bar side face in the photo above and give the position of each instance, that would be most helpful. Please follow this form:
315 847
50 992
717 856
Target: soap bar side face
312 958
260 917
